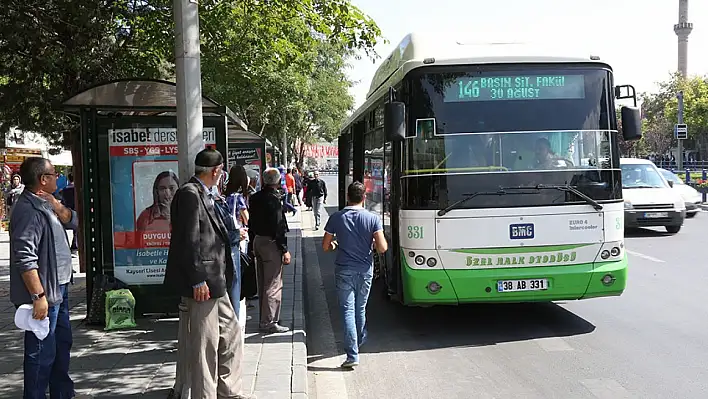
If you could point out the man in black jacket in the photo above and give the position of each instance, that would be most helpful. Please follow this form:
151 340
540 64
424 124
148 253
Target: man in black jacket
269 226
317 190
200 268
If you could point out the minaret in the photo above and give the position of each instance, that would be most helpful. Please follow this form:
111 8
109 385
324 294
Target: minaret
682 29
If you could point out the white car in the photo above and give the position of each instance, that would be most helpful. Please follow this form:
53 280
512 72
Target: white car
691 197
649 200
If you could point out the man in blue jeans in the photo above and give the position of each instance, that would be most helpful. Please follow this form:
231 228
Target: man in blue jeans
357 231
40 273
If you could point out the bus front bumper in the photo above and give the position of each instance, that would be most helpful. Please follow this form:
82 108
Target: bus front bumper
456 286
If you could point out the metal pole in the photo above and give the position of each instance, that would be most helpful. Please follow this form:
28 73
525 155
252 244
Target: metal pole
189 86
285 150
189 141
679 159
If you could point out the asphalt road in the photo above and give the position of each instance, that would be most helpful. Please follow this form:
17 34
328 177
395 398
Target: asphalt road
648 343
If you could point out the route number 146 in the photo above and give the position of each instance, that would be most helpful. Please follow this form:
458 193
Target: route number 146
415 232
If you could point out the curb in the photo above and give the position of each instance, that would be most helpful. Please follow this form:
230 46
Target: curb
299 383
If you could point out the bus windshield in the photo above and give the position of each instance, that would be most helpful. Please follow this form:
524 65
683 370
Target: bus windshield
486 127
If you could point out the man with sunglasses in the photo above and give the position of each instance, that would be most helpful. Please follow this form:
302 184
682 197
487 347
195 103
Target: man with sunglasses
40 273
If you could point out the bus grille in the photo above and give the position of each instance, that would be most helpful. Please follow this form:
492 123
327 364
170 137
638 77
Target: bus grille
654 206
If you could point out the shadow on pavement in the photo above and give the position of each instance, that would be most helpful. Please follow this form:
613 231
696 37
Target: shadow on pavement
393 327
645 232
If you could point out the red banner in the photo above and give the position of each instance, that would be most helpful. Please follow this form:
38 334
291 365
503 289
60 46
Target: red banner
321 151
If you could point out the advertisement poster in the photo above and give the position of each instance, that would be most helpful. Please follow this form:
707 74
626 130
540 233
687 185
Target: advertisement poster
143 178
250 156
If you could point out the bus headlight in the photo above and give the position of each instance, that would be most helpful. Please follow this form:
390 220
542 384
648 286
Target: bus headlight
605 254
419 260
615 251
608 279
434 287
432 262
628 205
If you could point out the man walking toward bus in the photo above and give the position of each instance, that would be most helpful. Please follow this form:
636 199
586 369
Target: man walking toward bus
355 229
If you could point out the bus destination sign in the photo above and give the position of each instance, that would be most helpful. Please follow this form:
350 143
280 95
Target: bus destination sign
506 88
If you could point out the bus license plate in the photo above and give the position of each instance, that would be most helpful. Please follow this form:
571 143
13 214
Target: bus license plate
654 215
536 284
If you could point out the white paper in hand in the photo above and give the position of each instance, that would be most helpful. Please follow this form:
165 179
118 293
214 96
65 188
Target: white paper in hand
25 321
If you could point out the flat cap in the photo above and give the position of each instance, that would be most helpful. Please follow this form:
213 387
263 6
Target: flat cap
208 158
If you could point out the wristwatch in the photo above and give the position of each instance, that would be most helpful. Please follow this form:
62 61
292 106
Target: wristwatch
36 297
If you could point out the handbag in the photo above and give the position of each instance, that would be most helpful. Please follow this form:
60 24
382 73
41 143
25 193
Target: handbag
249 281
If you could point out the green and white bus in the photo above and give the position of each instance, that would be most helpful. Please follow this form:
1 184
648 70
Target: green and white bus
496 173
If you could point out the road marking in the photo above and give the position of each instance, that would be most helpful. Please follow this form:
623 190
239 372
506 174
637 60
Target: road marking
554 344
647 257
328 378
604 388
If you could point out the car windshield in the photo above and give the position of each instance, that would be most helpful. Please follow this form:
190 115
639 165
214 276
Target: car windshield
671 176
641 176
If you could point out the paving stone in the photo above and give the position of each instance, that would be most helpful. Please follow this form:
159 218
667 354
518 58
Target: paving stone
142 361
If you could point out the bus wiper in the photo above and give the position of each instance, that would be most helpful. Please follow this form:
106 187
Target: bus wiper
469 196
566 188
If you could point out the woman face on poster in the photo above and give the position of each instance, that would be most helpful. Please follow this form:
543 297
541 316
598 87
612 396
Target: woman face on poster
164 188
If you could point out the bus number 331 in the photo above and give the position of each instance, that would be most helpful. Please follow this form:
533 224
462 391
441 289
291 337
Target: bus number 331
415 232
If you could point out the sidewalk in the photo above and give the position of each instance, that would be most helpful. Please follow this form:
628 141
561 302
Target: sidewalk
141 362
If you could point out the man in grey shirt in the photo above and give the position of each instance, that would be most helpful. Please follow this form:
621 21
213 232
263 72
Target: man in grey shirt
40 273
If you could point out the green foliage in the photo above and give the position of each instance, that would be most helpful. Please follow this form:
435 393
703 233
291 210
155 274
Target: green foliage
51 49
280 64
277 63
660 111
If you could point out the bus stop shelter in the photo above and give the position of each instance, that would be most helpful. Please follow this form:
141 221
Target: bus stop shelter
247 149
125 157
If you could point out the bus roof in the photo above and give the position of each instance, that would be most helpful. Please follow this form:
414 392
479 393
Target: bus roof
416 50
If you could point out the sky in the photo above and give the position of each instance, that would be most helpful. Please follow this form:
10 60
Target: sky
636 39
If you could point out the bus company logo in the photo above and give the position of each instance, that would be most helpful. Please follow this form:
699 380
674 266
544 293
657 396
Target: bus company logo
523 231
523 260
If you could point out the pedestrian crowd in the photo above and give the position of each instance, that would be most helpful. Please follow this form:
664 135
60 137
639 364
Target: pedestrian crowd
228 248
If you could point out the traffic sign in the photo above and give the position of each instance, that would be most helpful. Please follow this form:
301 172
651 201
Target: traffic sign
681 131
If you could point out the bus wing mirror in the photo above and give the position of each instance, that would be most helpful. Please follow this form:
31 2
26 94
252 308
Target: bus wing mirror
631 123
395 121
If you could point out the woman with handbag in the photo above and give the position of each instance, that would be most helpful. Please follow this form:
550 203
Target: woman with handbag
237 193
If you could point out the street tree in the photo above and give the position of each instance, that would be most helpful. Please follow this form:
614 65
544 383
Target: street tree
657 135
51 49
660 110
285 82
256 56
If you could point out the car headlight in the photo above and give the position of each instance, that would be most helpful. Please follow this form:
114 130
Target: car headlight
628 205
